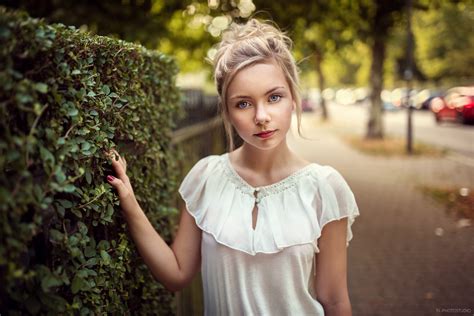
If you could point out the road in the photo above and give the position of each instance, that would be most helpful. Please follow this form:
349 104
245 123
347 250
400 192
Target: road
456 137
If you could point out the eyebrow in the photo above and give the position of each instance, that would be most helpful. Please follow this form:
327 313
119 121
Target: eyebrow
245 96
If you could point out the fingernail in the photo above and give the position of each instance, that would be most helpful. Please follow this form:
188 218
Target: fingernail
110 178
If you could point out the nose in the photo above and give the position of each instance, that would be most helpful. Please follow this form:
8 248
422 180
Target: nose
262 115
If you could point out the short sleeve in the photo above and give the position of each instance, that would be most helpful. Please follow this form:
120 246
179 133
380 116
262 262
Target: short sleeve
335 201
192 186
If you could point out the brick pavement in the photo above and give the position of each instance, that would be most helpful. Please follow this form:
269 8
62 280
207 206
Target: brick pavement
397 264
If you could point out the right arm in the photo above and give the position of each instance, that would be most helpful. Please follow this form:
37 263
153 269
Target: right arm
173 266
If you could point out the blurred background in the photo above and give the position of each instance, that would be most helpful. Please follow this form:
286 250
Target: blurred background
388 94
343 47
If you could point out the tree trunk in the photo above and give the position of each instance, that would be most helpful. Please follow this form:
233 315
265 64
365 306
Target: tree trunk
318 59
375 123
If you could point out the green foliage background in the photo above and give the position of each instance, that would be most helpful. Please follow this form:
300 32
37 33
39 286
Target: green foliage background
65 97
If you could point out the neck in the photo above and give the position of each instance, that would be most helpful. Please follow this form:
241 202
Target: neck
264 161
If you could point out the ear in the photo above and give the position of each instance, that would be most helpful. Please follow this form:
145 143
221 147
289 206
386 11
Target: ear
294 105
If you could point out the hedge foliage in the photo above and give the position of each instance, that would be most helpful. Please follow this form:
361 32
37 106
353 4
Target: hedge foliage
65 97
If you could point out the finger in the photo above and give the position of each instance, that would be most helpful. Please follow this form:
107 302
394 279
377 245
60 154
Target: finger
120 158
123 162
115 158
110 155
119 169
117 184
115 153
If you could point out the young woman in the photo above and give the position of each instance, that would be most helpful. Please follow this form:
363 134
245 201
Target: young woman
268 229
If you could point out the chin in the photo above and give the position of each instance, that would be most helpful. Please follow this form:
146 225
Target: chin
265 145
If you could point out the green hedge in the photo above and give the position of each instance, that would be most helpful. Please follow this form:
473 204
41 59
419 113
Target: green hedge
65 96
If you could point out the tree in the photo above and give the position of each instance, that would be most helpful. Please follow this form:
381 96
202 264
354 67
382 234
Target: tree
376 19
445 41
134 21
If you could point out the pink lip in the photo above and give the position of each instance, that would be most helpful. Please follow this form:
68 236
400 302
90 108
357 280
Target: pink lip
266 134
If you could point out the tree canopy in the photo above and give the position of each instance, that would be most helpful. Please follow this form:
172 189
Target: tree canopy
338 30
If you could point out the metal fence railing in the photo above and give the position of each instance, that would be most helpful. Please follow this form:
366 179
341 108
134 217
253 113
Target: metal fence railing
198 107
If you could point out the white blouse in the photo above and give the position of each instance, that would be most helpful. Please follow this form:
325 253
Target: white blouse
269 270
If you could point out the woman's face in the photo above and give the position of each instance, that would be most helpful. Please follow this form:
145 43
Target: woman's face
259 100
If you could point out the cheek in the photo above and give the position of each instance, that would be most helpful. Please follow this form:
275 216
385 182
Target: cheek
236 120
287 112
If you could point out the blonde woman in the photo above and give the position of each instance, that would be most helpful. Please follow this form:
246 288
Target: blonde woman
268 229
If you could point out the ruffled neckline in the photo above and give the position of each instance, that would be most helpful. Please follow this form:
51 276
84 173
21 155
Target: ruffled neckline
291 212
265 189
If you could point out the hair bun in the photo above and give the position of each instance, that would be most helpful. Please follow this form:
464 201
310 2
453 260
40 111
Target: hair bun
255 29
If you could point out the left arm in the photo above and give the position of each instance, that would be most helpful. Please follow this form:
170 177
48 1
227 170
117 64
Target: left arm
331 269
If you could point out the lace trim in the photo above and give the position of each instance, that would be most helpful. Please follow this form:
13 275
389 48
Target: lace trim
263 191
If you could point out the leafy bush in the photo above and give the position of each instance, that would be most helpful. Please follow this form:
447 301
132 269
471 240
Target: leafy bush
65 97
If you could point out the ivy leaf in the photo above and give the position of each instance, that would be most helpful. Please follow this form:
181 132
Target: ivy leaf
105 89
60 210
72 112
66 203
69 188
88 177
109 213
55 235
60 176
76 212
41 87
50 281
90 252
79 284
46 155
103 245
86 146
82 228
105 257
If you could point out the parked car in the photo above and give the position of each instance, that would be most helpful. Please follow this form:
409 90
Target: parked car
399 97
423 98
386 96
456 105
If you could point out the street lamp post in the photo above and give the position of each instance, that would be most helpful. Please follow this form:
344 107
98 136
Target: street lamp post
408 75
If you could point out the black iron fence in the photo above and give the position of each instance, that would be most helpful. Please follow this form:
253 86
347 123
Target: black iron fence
197 107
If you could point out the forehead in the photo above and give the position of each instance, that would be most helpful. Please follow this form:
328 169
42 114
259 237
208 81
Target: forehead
257 79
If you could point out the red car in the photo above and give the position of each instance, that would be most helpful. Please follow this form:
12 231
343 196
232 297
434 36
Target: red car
457 105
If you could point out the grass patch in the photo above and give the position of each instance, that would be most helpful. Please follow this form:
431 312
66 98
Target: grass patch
459 202
392 146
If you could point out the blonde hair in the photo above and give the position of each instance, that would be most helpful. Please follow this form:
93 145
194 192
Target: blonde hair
247 44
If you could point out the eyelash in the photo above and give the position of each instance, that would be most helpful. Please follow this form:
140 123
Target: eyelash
273 95
276 95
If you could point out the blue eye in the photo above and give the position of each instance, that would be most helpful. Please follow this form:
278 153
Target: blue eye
274 98
243 104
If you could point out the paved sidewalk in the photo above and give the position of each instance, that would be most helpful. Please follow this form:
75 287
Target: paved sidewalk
407 257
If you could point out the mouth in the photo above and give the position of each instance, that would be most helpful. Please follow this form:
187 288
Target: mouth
266 134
